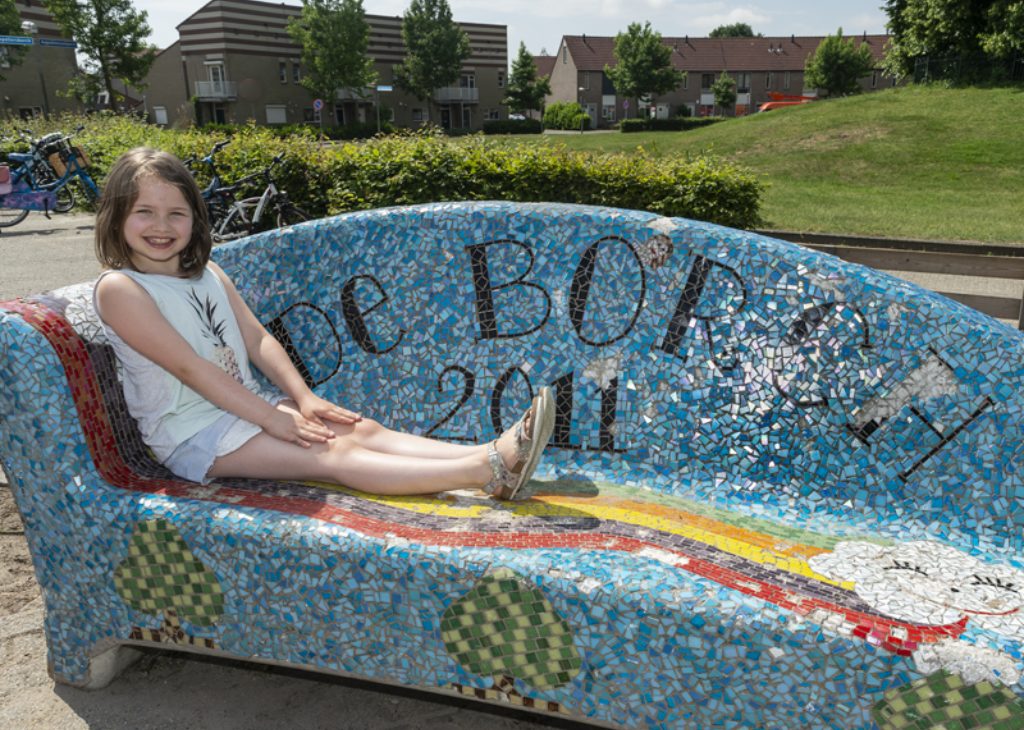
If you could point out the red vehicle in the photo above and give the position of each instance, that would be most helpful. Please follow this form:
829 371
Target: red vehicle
782 100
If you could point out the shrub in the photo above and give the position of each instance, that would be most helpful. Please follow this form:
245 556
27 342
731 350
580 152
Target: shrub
566 115
675 124
513 126
426 166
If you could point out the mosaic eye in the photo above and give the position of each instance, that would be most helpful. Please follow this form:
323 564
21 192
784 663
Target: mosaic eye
994 582
906 565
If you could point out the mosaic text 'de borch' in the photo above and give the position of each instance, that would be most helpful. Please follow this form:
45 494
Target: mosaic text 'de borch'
782 491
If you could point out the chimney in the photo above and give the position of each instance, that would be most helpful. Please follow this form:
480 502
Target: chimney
864 38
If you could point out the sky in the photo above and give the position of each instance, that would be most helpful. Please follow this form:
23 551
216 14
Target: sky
540 24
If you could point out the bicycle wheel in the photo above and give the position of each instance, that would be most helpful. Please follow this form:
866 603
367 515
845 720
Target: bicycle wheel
65 199
290 215
12 216
229 226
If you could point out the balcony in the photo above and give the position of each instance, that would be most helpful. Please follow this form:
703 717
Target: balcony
366 94
457 94
216 90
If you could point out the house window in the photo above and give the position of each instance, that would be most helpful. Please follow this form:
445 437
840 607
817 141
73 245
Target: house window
768 79
707 80
874 79
4 60
608 112
565 54
277 114
686 81
310 115
585 80
216 71
282 72
493 115
743 82
296 72
785 81
467 81
418 116
501 79
160 115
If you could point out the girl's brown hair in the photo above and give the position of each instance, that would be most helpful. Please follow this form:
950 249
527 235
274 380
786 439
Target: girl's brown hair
122 190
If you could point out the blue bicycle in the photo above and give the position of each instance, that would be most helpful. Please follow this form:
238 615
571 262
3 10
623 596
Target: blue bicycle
52 164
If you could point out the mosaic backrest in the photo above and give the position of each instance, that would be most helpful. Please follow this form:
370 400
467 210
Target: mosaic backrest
690 358
687 358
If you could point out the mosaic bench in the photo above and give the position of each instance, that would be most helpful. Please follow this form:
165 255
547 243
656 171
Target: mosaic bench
783 491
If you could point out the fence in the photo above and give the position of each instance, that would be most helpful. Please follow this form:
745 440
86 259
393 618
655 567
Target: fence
967 68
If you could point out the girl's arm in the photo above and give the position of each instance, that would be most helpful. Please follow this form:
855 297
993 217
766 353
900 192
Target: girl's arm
134 316
266 353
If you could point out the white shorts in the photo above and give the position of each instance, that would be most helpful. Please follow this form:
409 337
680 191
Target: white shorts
194 457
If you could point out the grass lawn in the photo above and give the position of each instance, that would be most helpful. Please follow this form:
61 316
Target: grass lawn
915 162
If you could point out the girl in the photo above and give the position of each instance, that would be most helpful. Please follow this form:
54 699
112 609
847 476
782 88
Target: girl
185 339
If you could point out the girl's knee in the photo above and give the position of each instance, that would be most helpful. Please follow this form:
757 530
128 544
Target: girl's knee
368 427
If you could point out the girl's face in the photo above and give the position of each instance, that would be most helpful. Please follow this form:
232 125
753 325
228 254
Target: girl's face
158 227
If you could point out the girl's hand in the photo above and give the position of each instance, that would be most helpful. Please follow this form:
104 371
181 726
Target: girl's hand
318 410
297 429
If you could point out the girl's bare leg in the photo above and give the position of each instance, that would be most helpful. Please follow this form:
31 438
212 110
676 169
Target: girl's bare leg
343 461
376 437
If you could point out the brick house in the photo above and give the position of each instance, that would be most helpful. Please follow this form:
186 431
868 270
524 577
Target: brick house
31 87
235 61
759 65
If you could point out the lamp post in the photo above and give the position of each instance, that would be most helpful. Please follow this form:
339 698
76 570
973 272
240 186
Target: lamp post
31 29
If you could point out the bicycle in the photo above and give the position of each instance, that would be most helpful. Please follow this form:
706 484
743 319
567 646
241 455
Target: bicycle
51 165
231 218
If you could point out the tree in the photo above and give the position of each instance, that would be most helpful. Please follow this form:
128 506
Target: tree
837 65
161 576
551 659
10 24
111 37
333 35
643 64
724 90
435 47
525 91
733 30
952 28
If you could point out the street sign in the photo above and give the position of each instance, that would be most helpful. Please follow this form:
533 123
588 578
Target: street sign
15 40
318 104
385 88
57 43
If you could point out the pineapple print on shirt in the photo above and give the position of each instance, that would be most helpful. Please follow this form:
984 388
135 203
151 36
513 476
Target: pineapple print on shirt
213 330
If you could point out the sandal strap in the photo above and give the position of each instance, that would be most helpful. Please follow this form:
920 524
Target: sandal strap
503 479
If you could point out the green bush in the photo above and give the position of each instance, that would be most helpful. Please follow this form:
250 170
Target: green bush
513 126
675 124
426 166
566 115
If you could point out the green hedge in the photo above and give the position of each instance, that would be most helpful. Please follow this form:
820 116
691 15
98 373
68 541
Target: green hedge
426 166
675 124
513 126
356 130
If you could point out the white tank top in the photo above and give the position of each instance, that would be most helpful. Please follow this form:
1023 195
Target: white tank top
169 412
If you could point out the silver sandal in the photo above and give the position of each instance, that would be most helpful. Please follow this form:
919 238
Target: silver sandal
506 481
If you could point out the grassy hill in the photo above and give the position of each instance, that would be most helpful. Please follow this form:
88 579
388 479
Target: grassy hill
916 162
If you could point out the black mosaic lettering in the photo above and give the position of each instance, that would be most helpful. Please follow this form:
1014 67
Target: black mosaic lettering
355 318
484 289
468 386
580 290
282 334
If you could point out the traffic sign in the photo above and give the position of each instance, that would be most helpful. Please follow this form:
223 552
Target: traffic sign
384 87
625 103
318 104
15 40
57 43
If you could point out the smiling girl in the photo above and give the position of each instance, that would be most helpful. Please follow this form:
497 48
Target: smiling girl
186 339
